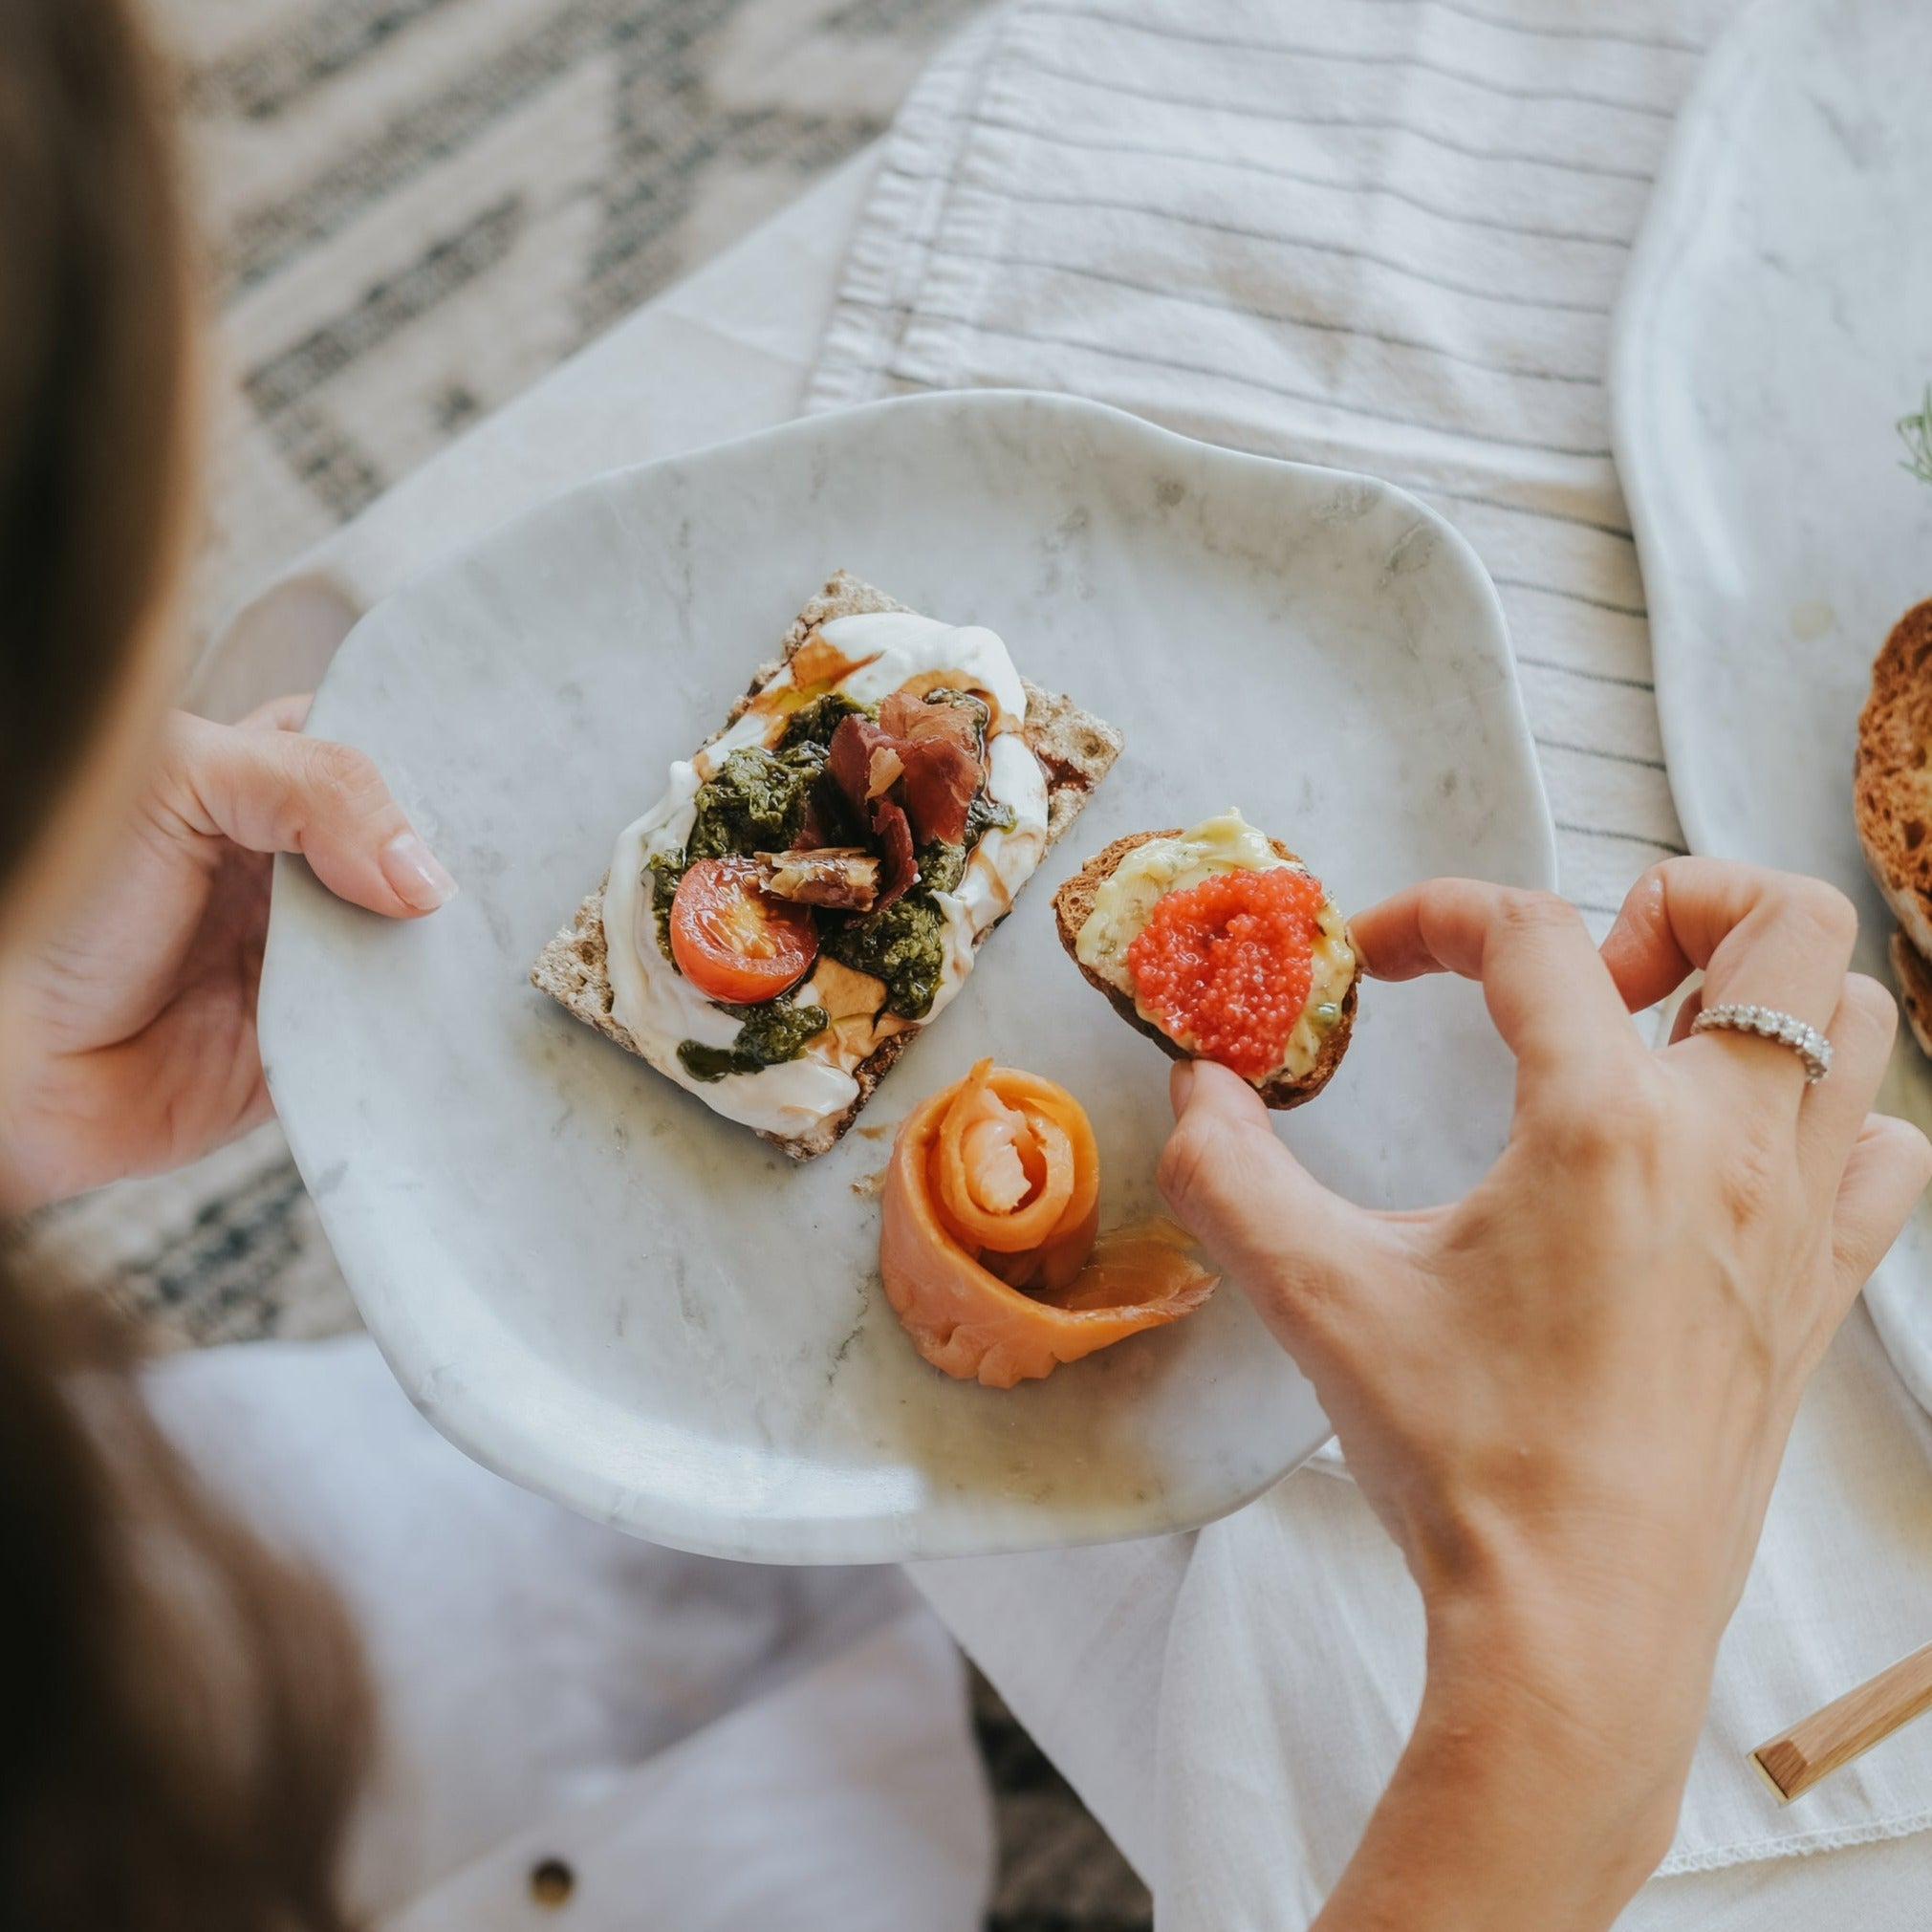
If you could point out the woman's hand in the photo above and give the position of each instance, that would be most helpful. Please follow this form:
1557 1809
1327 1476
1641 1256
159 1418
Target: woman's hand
143 1008
1567 1394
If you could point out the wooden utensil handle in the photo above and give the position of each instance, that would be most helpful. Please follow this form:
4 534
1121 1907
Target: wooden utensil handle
1814 1747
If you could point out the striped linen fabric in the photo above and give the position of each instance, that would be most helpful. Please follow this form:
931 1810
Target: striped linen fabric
1389 235
1382 234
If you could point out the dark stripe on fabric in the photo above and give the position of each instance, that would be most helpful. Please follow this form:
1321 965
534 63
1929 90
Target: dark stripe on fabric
1662 43
1268 171
1204 225
1592 751
1591 677
1180 368
1663 845
1365 123
1353 57
276 72
1228 306
1615 530
1605 604
444 124
330 464
385 307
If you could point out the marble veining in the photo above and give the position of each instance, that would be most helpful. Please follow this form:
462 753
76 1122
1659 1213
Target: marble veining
600 1289
1776 322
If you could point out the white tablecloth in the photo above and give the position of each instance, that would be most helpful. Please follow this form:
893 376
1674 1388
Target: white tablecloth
1079 1641
1388 236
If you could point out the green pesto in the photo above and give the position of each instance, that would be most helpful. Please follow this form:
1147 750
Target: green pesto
813 724
904 945
986 814
756 803
942 866
666 869
772 1033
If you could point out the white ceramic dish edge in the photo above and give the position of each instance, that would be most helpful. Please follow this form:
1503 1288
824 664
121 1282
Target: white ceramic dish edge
1677 206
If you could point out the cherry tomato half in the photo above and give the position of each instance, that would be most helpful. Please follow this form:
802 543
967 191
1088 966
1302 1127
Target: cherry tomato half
730 941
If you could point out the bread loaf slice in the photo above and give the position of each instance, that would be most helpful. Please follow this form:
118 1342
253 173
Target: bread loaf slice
1892 774
1914 977
1075 748
1073 904
1891 803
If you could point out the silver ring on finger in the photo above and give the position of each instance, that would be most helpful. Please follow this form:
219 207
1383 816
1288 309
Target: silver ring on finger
1769 1023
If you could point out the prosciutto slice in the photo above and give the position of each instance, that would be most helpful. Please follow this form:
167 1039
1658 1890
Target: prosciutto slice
939 746
920 762
854 755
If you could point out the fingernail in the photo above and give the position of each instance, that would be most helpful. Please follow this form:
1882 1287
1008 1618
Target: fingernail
1181 1086
415 874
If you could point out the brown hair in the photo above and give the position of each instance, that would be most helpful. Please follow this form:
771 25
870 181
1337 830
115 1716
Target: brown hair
92 352
184 1718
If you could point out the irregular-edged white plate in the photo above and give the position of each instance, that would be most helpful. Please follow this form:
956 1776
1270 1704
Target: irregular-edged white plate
596 1286
1775 323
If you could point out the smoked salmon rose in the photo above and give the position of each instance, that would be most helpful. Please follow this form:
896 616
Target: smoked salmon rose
988 1246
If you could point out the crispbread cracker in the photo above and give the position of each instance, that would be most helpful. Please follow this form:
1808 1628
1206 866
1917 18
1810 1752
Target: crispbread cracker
1074 747
1074 906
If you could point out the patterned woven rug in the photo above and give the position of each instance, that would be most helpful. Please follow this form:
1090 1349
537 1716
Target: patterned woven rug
415 208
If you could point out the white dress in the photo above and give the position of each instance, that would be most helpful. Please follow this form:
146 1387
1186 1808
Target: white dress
661 1740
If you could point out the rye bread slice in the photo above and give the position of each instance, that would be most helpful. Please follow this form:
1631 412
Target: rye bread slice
1075 748
1892 774
1914 977
1074 903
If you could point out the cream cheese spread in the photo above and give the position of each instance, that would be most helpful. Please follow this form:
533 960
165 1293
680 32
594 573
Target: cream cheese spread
1125 900
660 1008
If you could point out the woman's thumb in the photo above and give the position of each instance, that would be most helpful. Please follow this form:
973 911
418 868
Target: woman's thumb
1281 1235
273 790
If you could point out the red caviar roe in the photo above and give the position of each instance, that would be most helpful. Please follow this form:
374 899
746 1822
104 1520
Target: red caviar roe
1225 968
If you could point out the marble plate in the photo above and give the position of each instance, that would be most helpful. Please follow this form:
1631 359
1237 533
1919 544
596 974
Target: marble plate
1776 321
598 1288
